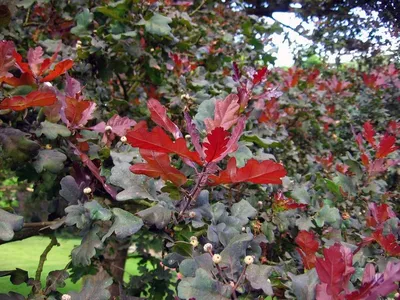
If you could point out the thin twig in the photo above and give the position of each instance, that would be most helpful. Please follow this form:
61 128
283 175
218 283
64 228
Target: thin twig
238 281
43 257
198 8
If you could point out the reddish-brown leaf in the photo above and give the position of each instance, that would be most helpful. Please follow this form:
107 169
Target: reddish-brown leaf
308 246
386 146
282 203
369 133
59 69
78 112
159 116
378 214
264 172
158 165
25 79
36 98
157 140
335 270
216 144
225 114
6 58
387 242
259 75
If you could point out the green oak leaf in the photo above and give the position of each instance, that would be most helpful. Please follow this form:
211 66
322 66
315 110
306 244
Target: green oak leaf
52 130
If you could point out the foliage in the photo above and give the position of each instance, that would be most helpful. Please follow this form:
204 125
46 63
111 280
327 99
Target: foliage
162 124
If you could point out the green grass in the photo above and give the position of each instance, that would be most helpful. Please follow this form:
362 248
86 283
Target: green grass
25 255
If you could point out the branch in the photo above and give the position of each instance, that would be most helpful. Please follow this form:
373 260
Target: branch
43 257
31 229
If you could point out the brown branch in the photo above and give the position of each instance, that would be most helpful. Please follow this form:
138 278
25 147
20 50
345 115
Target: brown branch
43 256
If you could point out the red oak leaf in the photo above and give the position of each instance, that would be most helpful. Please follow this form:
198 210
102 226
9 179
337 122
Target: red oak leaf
158 165
159 116
265 172
59 69
308 246
216 144
386 146
378 214
225 114
387 242
36 98
369 133
24 79
259 75
334 271
78 112
158 140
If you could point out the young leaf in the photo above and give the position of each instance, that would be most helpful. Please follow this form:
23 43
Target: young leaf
308 246
334 271
369 133
225 114
259 75
386 146
59 69
217 141
265 172
36 98
158 165
388 242
77 112
159 116
157 140
194 134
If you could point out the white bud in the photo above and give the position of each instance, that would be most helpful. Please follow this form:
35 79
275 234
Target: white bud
108 128
66 297
193 238
192 214
87 190
194 243
260 204
397 295
123 139
216 259
208 247
243 229
248 260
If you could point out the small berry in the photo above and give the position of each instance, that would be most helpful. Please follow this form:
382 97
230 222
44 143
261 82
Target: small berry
248 260
108 128
193 238
87 190
48 147
66 297
123 139
216 258
192 214
208 247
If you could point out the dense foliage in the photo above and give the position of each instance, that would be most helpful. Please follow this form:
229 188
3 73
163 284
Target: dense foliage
164 125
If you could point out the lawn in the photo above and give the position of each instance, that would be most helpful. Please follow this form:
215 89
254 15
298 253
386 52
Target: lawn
25 255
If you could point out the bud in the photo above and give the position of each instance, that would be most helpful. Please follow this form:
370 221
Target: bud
123 139
108 128
260 204
48 147
216 259
193 238
87 190
194 243
248 260
66 297
208 247
192 214
243 229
